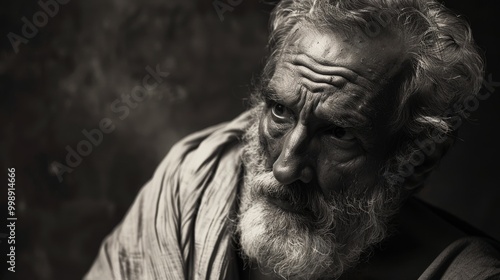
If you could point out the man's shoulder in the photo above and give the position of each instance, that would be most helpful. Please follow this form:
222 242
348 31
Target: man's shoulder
183 197
470 257
194 150
199 163
428 243
469 253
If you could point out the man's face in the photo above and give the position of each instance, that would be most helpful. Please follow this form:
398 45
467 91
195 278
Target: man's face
324 124
312 199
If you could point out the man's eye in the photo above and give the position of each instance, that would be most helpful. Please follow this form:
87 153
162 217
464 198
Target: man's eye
281 112
342 134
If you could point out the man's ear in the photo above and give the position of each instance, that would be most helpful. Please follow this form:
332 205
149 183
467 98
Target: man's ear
432 159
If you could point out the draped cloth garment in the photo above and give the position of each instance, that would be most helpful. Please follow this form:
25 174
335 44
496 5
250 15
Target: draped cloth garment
177 227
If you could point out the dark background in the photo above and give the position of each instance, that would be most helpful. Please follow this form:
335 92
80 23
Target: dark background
91 52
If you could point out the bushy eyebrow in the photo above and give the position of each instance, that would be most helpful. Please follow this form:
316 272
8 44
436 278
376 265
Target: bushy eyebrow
270 94
342 117
350 110
350 119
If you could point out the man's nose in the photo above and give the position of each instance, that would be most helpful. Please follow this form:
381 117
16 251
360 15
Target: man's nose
292 163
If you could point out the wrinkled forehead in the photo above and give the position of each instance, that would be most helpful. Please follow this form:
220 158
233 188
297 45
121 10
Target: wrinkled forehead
358 67
375 58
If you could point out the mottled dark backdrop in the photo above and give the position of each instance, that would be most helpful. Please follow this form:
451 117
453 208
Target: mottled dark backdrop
90 54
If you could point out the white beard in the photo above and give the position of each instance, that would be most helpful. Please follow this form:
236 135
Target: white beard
322 244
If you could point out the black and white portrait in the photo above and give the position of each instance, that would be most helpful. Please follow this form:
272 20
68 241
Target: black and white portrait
233 139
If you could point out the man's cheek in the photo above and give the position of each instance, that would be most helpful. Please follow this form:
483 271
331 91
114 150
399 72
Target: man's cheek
336 176
360 174
271 145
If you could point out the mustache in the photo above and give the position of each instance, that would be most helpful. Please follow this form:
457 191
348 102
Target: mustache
306 198
295 193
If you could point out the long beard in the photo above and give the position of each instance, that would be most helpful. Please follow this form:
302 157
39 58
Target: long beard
323 242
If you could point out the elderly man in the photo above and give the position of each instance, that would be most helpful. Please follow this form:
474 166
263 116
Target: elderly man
357 103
